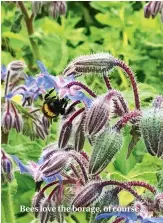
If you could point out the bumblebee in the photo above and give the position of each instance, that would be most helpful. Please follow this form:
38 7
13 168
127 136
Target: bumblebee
54 106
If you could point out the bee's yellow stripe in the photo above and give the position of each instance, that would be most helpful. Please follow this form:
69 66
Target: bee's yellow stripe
47 111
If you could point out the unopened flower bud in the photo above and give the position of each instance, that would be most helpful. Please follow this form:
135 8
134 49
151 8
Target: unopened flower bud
96 117
40 131
147 10
151 126
88 194
94 63
57 8
6 165
55 164
48 151
8 119
106 145
44 213
79 135
18 123
153 8
16 66
36 202
65 134
45 122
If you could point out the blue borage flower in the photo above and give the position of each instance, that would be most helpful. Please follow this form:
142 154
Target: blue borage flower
130 217
32 169
35 86
3 72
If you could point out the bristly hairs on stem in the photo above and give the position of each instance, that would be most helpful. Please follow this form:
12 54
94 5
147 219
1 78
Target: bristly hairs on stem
114 93
75 114
126 118
124 186
77 83
130 74
142 184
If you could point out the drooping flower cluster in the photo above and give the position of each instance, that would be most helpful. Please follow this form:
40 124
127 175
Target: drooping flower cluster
72 176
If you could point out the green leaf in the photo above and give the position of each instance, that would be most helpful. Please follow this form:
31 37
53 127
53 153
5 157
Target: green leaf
128 164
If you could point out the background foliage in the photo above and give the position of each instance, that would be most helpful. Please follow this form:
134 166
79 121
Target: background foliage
115 27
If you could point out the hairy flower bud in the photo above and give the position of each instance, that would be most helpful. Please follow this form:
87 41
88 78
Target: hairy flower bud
44 213
79 135
40 131
6 166
151 126
55 164
48 151
106 145
96 117
16 66
65 134
153 8
94 63
57 8
88 194
36 202
45 122
147 11
8 119
18 123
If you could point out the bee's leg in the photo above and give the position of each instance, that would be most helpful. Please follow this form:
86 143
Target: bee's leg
48 94
72 107
51 99
63 109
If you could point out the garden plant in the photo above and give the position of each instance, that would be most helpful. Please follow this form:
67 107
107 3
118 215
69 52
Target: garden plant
82 135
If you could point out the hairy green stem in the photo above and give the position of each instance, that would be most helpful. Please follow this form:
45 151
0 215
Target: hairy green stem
7 204
30 29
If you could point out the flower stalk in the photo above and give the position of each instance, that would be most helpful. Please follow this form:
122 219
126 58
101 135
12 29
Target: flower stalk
30 29
7 204
130 74
84 87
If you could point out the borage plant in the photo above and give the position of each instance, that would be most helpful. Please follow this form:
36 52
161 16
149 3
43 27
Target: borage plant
65 174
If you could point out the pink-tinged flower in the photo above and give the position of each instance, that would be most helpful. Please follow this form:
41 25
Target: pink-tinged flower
33 169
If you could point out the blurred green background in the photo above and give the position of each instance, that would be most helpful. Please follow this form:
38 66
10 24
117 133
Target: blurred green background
88 27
